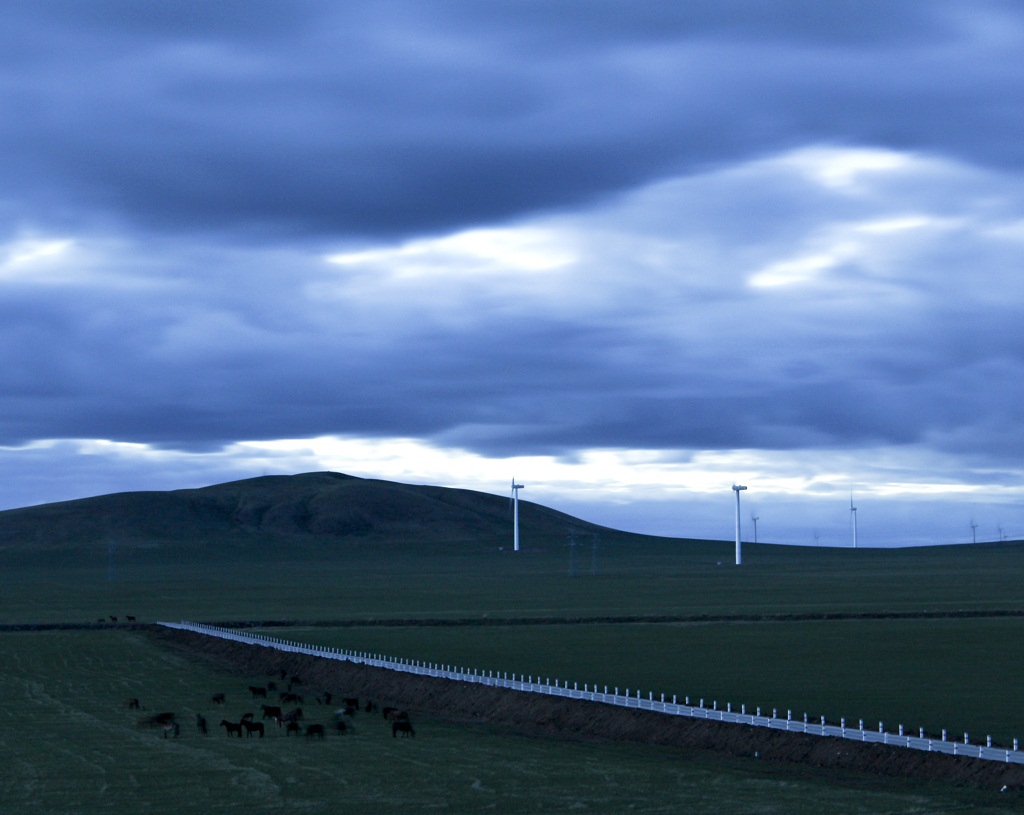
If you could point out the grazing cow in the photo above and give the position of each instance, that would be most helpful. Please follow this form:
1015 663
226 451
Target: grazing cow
271 711
252 727
405 728
201 723
289 697
218 699
113 619
315 731
133 704
130 618
293 727
232 728
258 693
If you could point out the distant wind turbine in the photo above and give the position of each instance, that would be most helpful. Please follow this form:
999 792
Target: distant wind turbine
755 519
515 514
974 531
853 516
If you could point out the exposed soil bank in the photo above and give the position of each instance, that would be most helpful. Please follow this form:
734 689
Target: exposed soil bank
540 715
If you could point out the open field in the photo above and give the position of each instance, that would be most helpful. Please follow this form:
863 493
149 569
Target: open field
71 745
70 738
659 578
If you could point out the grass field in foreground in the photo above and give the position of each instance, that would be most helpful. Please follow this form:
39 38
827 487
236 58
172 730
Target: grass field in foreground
71 746
957 674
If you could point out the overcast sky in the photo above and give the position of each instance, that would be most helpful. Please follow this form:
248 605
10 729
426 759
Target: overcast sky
631 253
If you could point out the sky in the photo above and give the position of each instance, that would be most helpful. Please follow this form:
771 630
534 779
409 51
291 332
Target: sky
629 254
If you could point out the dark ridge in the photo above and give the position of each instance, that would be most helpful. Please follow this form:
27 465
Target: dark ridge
321 514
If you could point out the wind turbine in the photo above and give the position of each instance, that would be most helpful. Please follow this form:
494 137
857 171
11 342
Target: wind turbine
515 514
739 552
755 519
974 531
853 516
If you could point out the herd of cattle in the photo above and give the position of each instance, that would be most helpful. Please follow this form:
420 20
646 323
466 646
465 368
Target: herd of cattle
287 715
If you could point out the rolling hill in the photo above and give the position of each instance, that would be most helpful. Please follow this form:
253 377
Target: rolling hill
320 513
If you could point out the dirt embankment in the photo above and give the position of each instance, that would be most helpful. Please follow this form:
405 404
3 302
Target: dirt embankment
539 715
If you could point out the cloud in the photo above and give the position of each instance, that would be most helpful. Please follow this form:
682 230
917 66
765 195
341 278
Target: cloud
664 319
392 120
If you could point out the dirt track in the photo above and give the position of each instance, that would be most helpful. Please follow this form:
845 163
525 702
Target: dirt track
555 717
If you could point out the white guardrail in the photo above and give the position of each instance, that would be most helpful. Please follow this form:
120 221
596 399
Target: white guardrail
631 699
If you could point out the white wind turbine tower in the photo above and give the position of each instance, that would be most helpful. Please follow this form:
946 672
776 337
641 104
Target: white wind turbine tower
853 516
738 488
515 514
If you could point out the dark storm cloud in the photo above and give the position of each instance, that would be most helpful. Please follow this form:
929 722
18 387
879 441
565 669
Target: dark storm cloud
202 374
403 118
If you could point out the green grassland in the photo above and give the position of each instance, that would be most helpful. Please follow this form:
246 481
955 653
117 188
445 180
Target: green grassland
70 745
659 577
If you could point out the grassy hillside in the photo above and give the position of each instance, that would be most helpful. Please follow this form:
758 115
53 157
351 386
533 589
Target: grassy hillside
315 514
